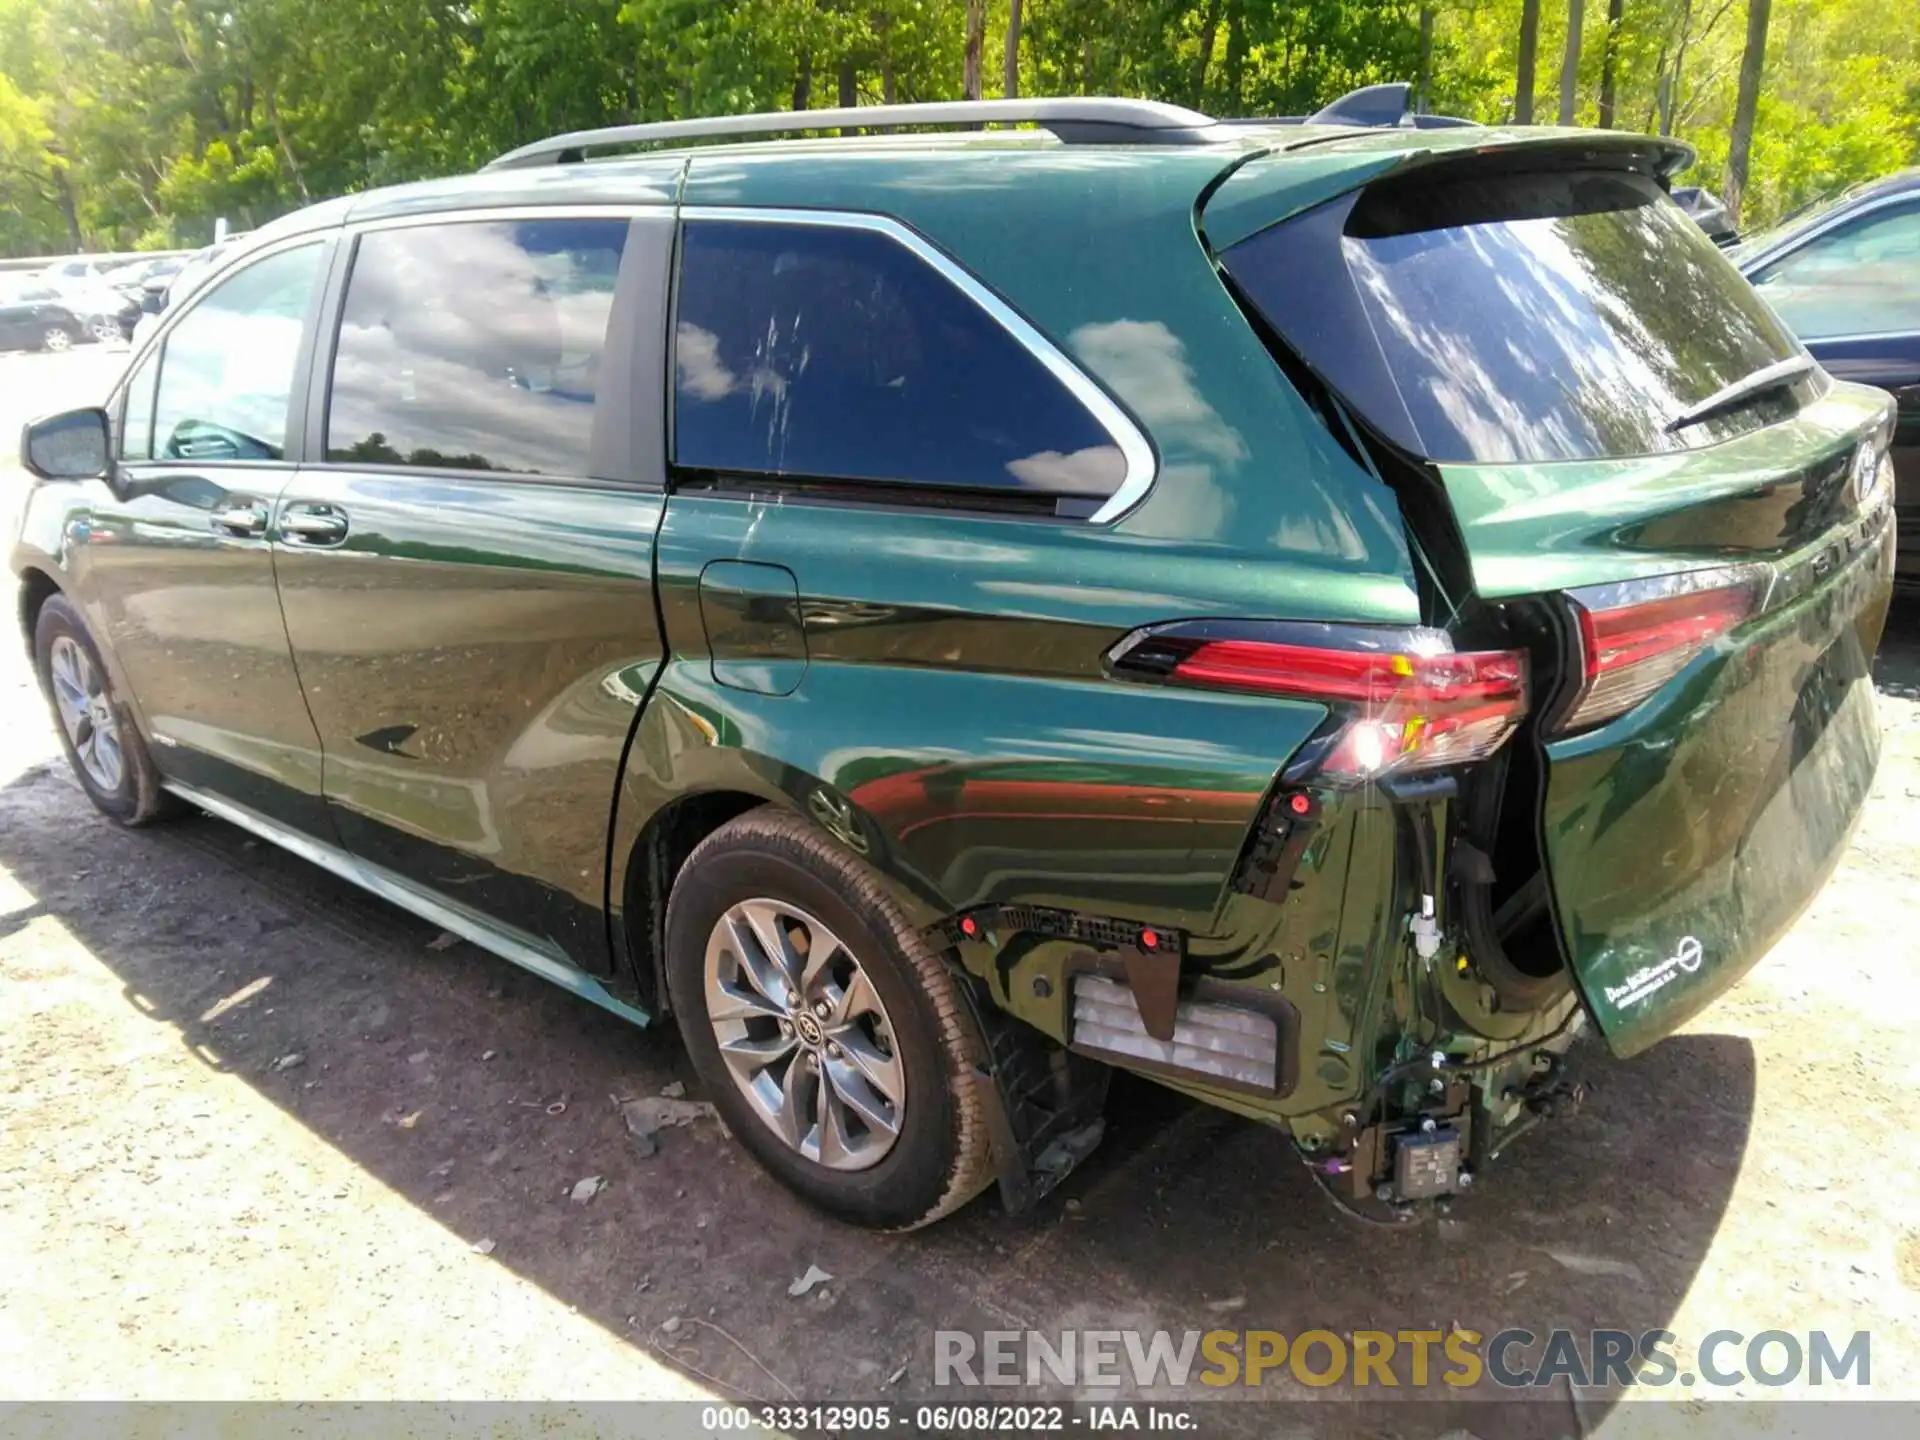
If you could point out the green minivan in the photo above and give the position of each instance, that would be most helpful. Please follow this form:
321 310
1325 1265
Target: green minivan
1322 614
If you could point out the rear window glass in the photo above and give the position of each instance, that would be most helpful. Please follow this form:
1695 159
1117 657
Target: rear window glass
1554 316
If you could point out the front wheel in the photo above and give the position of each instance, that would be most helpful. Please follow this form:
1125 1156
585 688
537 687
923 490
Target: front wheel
828 1032
104 329
56 337
96 729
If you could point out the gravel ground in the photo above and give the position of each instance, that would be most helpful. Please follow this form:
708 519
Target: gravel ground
259 1138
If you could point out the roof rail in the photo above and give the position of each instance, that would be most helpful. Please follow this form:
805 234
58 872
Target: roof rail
1075 120
1382 106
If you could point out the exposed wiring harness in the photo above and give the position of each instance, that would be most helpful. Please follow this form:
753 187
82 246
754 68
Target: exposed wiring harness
1318 1166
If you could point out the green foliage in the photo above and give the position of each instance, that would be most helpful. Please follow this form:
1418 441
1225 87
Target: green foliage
1840 97
138 122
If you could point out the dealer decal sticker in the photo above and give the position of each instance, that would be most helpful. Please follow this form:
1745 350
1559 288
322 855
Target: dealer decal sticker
1649 978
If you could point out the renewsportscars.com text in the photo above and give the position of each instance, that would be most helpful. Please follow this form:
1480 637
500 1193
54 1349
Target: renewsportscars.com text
1515 1358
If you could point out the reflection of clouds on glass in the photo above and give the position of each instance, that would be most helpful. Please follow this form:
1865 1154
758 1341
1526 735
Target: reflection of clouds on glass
1096 470
698 369
462 345
773 369
1563 335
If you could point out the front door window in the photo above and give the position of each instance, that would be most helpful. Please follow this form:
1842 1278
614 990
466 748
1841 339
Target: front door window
226 377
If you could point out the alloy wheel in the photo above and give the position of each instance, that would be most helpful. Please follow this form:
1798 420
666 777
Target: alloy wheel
57 339
104 328
804 1034
86 711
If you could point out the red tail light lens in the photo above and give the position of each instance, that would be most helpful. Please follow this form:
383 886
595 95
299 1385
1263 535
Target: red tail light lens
1636 636
1404 700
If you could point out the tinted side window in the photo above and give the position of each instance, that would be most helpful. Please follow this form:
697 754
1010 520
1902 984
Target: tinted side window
136 421
475 345
1861 278
227 373
839 354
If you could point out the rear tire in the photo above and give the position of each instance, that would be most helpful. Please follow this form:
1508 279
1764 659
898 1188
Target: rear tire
56 337
925 1152
97 730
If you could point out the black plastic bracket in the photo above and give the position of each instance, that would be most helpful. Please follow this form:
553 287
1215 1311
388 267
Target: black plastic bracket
1284 830
985 921
1043 1104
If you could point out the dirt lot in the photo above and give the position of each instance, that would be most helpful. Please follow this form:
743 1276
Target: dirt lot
255 1131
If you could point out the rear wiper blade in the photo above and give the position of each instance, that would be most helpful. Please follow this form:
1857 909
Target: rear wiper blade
1767 377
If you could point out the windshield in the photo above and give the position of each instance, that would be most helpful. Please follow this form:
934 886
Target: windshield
1553 316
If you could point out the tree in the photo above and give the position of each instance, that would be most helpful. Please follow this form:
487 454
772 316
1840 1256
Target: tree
1423 75
976 42
1740 142
1610 62
1570 63
1010 81
1529 46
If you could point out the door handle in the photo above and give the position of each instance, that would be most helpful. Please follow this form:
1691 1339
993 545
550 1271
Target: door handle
312 524
242 518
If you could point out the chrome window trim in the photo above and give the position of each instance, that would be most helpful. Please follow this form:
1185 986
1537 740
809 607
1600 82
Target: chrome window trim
1133 444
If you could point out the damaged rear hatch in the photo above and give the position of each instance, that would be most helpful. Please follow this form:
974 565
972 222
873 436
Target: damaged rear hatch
1616 438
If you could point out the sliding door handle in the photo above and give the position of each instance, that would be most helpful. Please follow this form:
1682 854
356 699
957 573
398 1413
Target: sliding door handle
242 518
312 524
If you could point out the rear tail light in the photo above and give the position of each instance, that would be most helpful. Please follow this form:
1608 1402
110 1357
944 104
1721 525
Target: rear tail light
1637 635
1401 699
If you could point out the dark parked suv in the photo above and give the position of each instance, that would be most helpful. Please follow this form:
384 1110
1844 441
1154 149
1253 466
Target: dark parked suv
1319 615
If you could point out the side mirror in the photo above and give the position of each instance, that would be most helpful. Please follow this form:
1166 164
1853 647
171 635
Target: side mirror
69 446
